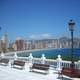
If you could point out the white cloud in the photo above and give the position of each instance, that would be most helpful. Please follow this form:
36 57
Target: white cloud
32 36
46 35
40 36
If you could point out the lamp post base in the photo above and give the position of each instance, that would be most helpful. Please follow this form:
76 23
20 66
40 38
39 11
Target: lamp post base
72 65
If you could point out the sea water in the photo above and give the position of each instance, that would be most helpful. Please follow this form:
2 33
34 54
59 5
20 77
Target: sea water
52 53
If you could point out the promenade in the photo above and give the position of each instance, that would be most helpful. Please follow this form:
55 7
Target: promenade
8 73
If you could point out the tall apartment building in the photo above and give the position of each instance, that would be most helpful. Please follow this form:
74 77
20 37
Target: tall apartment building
4 43
19 44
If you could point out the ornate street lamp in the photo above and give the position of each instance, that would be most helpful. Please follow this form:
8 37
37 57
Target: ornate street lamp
71 71
71 28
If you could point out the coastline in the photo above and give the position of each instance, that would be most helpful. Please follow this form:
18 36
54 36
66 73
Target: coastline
33 50
50 53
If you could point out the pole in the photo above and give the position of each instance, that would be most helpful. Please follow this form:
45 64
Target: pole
72 58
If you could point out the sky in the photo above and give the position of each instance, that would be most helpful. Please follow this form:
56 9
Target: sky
38 18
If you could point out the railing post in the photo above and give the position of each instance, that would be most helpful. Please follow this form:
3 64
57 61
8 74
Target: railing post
59 63
79 64
15 56
2 55
30 58
43 59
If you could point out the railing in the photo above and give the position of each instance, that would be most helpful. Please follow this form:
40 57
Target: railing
67 64
51 62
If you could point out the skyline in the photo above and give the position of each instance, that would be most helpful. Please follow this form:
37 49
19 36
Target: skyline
38 18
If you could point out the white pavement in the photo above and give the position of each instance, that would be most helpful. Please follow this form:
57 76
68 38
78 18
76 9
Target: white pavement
8 73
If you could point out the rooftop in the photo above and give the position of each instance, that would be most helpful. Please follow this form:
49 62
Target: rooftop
8 73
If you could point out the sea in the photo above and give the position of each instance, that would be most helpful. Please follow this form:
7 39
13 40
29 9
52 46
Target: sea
51 53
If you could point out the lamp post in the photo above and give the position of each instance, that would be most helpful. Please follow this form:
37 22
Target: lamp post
0 38
71 71
71 28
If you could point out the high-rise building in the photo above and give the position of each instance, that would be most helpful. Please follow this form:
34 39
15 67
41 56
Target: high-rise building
20 44
4 43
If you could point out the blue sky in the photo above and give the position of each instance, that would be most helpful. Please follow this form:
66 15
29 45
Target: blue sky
38 18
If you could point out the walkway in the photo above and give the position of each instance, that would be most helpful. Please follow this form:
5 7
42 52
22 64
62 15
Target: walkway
8 73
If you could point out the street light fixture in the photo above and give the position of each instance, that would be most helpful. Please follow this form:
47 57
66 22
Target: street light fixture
71 28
